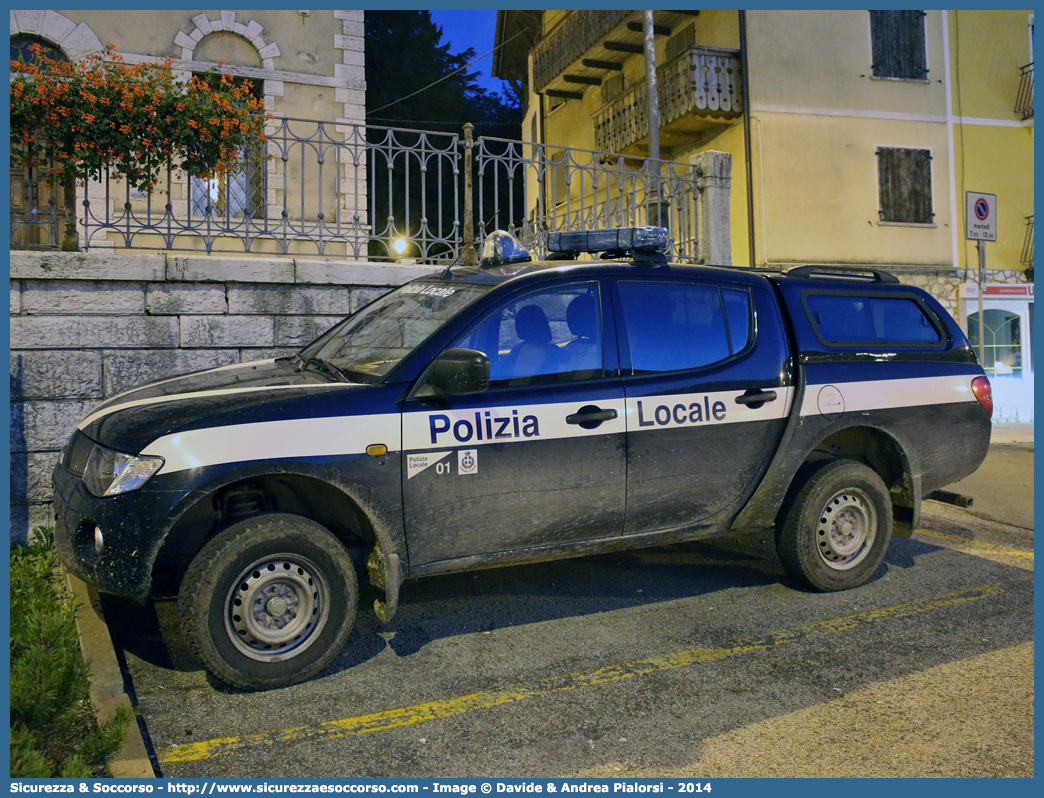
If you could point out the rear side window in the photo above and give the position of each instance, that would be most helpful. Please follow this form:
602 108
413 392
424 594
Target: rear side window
672 326
852 319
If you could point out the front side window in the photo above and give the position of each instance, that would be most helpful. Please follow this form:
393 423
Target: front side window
368 344
551 336
673 326
905 185
898 43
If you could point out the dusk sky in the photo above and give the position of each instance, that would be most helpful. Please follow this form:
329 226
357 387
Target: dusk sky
477 29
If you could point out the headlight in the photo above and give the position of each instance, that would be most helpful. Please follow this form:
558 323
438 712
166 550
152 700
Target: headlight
109 472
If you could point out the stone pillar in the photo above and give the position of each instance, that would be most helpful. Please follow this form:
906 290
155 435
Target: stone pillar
713 227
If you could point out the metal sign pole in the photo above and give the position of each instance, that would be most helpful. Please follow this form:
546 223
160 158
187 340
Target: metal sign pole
980 225
653 199
982 290
653 89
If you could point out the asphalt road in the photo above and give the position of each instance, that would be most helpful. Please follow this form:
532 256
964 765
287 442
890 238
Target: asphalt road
691 660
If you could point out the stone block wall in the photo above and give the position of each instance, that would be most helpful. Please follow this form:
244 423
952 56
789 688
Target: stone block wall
86 326
943 285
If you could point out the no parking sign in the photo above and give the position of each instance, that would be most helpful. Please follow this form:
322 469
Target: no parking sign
981 216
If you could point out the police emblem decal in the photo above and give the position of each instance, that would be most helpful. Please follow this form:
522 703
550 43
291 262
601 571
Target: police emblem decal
467 461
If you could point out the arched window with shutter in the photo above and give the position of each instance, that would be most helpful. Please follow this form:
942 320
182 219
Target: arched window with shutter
43 209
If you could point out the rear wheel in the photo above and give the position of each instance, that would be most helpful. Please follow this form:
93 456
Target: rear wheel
268 602
834 531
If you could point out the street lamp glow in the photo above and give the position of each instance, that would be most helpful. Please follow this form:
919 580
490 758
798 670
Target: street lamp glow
400 246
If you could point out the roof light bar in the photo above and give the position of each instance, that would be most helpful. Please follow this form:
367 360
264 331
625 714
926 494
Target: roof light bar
617 238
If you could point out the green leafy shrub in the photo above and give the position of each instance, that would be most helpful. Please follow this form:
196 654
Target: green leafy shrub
53 729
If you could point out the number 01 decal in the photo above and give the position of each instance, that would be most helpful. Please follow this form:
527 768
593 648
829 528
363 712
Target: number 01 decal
415 463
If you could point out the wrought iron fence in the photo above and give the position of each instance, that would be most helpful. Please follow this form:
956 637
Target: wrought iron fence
41 210
341 190
574 189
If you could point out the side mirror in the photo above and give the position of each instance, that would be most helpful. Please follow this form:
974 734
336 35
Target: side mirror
457 372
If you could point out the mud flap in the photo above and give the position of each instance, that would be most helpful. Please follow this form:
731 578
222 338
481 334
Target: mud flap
905 519
385 572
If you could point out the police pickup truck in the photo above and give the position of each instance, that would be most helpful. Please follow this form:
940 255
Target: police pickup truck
520 411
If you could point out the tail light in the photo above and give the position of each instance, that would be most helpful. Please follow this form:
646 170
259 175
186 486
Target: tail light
984 393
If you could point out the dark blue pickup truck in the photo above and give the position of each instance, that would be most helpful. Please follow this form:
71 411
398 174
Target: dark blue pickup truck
520 411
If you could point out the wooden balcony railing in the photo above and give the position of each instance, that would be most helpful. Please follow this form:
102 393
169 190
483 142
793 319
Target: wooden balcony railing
567 43
701 82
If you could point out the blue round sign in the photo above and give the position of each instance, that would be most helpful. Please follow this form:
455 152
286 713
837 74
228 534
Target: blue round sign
982 209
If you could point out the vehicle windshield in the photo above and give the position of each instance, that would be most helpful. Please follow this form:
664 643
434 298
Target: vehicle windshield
370 343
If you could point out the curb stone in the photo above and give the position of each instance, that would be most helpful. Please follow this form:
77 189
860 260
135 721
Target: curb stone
106 680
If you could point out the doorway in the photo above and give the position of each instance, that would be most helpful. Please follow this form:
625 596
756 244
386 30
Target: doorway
1007 333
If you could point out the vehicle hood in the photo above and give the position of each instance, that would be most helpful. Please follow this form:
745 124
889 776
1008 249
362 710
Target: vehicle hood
244 393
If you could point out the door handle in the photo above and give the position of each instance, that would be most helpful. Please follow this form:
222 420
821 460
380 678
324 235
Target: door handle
590 416
755 398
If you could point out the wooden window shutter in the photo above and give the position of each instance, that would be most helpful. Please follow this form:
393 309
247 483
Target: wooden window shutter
612 87
684 40
898 44
905 181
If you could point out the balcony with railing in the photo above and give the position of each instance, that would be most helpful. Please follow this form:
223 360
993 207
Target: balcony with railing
588 44
1024 100
699 88
569 42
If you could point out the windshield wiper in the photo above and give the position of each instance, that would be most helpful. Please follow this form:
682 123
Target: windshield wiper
325 366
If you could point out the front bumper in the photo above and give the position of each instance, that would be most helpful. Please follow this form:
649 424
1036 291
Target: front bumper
132 525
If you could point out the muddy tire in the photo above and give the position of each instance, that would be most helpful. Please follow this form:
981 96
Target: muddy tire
835 527
268 602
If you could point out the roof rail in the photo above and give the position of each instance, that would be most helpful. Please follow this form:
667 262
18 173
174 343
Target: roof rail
842 273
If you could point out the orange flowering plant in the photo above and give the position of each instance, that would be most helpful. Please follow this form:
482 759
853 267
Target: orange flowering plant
78 119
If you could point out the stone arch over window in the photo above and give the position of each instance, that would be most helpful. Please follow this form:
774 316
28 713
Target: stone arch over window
203 26
75 40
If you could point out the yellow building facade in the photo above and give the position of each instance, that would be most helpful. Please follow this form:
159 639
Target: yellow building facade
858 136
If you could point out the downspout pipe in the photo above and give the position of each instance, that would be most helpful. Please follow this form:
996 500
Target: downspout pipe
747 150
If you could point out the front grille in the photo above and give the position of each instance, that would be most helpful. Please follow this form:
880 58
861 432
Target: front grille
76 455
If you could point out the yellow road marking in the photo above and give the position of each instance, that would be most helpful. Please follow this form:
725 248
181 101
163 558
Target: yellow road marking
448 707
964 544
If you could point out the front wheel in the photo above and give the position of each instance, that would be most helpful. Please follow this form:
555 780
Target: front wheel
834 531
269 601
